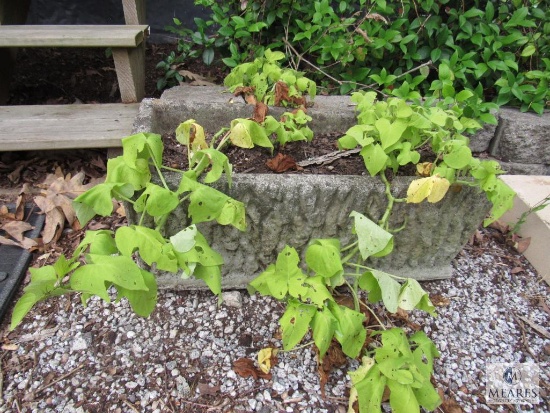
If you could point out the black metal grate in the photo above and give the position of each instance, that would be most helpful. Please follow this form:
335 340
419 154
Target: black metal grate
14 260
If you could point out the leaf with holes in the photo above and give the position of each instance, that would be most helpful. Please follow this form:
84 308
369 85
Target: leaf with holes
323 257
323 326
295 322
103 270
412 296
373 240
381 286
349 332
283 277
149 243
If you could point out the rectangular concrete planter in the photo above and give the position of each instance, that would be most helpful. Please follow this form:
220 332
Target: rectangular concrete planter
293 209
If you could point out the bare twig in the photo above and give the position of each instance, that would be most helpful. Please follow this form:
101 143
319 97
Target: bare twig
542 331
131 406
328 158
340 82
207 406
63 377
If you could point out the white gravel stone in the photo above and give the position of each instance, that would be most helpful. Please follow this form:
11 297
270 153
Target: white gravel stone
232 299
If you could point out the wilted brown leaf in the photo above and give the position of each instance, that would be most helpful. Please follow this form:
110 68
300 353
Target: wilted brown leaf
282 163
10 347
448 405
7 241
521 244
439 300
120 210
53 226
247 92
334 358
500 226
245 367
282 95
195 79
16 229
56 202
206 390
260 112
22 198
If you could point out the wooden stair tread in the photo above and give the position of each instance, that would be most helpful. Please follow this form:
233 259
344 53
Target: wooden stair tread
43 127
72 35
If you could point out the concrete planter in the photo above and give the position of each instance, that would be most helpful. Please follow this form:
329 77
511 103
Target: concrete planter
293 209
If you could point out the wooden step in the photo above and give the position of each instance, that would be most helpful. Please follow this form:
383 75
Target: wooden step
44 127
72 35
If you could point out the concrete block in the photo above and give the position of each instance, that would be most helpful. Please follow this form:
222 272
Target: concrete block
294 209
481 140
515 168
214 107
522 137
530 191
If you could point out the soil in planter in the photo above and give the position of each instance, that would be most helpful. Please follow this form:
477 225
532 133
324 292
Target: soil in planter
287 159
256 160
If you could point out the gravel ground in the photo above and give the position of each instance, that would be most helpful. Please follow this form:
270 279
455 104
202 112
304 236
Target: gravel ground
66 358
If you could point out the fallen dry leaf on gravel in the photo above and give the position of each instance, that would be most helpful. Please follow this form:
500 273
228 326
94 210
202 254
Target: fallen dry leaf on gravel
56 202
16 229
245 368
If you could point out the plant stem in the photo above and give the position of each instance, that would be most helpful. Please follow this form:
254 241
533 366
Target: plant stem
297 347
348 257
339 82
354 294
384 220
347 247
161 177
374 315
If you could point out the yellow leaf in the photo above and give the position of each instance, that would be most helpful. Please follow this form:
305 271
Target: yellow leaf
264 358
439 189
424 168
240 136
191 134
433 188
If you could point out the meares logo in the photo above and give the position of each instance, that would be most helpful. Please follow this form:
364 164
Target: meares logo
513 393
511 376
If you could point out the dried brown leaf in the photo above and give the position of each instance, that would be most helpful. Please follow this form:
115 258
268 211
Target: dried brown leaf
522 244
282 163
500 226
281 93
53 226
333 359
10 347
15 175
247 93
439 300
206 390
22 198
245 367
7 241
448 405
260 112
16 229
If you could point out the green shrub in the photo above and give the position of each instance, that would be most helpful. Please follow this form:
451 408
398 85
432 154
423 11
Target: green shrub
499 50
